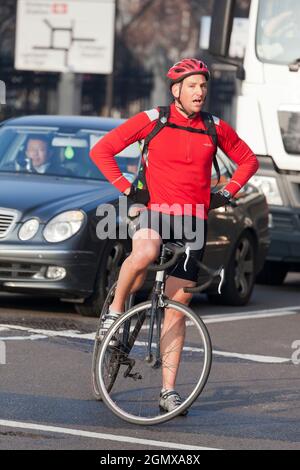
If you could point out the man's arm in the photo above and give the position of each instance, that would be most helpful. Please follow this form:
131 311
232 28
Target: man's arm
238 151
104 151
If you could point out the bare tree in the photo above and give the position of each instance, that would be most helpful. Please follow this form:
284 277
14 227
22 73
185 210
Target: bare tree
162 32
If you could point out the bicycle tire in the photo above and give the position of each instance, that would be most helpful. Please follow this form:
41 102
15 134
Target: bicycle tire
97 343
131 395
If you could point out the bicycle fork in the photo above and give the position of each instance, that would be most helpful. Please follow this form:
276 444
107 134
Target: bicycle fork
156 313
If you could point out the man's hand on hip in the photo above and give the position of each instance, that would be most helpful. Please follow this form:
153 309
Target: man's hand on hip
136 196
219 199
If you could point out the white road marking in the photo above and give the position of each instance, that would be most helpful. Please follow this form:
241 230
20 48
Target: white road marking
47 333
91 337
246 357
254 357
258 314
268 313
22 338
101 436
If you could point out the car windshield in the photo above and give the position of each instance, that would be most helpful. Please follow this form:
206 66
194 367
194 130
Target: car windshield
278 31
48 151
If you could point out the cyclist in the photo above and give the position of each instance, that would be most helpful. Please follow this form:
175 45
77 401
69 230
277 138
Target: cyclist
178 171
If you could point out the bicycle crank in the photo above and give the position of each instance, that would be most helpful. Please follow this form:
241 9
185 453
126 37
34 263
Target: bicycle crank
131 363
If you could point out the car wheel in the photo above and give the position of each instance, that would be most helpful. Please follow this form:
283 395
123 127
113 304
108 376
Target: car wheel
240 274
272 274
113 255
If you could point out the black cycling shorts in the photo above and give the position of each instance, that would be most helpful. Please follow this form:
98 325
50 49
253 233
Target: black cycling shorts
188 229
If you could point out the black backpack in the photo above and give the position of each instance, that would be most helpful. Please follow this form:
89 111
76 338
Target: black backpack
163 121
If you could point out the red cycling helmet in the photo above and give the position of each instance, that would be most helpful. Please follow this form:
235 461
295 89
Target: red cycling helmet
187 67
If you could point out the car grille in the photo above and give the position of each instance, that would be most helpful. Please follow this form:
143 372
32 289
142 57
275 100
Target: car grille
20 271
284 222
7 221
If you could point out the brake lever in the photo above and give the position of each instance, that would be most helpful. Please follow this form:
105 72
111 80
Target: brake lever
213 274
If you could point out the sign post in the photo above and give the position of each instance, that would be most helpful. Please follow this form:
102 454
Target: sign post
67 36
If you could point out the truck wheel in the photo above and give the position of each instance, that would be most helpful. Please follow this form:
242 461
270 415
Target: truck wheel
272 274
112 258
239 275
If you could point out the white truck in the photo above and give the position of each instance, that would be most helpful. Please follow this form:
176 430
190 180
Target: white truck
266 110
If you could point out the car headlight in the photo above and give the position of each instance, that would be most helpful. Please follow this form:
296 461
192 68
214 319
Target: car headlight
29 229
63 226
269 187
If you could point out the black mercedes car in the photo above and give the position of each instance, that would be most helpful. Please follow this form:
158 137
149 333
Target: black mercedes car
50 192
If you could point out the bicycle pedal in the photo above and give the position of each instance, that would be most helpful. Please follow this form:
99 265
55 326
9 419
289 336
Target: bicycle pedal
149 359
135 376
157 364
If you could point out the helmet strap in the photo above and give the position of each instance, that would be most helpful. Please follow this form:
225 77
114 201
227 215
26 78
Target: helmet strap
181 107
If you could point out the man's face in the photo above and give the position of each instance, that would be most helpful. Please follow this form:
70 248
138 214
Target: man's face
37 152
193 93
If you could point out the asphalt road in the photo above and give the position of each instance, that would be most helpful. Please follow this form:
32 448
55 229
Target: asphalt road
251 400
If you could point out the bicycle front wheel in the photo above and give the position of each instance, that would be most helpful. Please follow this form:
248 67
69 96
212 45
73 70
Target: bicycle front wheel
181 347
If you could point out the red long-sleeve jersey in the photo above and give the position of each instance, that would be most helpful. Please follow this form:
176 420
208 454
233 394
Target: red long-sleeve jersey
179 167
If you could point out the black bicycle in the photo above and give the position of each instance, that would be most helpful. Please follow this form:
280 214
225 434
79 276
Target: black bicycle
127 376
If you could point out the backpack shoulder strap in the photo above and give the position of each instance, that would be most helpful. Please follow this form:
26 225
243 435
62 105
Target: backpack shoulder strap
210 126
164 113
212 132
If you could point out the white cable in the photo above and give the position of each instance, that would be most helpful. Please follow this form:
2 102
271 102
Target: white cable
222 275
187 253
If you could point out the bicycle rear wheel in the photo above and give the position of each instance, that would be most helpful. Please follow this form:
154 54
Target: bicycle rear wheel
135 395
112 364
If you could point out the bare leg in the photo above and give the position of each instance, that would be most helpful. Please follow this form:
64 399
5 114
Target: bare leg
145 249
173 332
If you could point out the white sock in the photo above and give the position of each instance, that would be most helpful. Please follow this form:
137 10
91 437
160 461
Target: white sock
113 312
164 390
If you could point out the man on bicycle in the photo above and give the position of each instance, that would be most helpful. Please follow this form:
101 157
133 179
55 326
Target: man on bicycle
178 176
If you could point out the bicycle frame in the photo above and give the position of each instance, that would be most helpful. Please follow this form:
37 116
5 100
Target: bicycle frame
157 304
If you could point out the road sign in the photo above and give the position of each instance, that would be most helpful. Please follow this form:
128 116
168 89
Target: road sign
65 36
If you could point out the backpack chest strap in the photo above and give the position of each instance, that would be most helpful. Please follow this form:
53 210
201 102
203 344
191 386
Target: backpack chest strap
188 129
